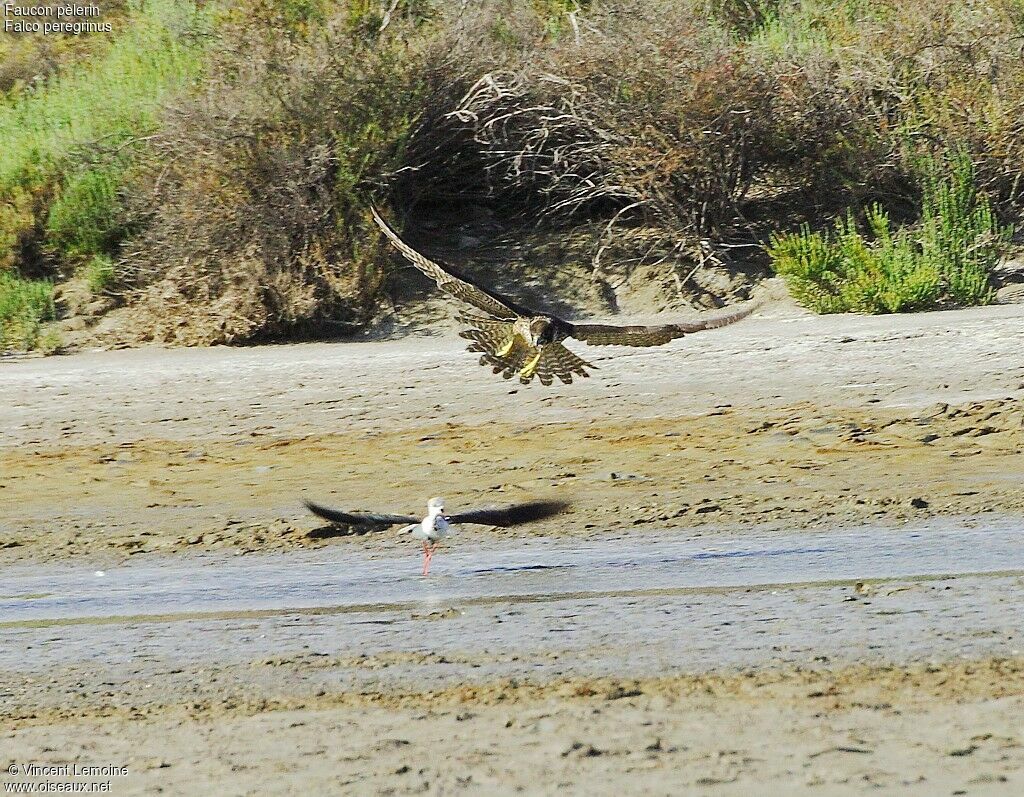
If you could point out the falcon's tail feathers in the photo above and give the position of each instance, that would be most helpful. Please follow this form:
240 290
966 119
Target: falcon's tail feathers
557 360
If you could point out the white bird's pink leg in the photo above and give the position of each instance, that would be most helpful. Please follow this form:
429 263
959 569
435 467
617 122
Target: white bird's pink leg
428 552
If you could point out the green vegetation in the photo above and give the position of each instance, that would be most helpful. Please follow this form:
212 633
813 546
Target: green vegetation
63 140
83 220
112 100
797 29
943 261
24 306
210 164
99 273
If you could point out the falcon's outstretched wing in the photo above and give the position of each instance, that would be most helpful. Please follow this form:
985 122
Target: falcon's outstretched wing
510 515
490 335
358 518
459 287
610 335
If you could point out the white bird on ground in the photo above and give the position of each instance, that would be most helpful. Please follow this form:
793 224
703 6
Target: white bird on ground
436 525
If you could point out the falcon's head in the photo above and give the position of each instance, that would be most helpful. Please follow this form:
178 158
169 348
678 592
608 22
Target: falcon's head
542 331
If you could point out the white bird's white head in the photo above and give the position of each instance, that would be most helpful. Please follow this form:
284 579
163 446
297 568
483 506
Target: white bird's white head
435 506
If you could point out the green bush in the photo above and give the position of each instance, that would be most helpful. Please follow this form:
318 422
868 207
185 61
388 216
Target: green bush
83 220
942 261
24 306
959 233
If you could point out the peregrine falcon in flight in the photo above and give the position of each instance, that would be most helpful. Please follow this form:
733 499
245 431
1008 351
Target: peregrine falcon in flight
436 525
514 339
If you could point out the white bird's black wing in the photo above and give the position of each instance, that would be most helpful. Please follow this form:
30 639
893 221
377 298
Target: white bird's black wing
496 306
358 518
510 515
611 335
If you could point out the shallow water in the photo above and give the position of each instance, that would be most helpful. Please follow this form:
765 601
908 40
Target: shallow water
626 606
532 569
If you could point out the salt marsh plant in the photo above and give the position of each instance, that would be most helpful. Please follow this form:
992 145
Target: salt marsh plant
944 260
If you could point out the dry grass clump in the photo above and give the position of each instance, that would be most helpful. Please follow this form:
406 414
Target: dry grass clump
250 199
657 116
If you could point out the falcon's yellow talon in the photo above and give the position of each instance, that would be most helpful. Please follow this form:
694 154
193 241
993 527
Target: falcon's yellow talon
504 350
530 367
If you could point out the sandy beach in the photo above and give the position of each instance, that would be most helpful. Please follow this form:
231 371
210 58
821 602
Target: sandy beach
719 610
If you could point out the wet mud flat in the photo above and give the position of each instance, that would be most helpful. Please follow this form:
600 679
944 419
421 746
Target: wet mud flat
790 422
792 558
543 609
671 661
